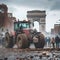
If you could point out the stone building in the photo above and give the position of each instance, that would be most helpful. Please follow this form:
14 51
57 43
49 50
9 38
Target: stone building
3 15
52 31
39 16
10 22
6 19
57 28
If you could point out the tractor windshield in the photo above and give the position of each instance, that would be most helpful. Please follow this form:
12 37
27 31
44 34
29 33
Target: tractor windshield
23 25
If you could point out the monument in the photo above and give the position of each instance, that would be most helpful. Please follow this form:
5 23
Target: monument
39 16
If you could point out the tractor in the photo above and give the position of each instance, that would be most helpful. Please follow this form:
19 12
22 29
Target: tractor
24 35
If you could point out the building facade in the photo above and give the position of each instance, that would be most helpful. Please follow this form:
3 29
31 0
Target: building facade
3 15
52 31
6 19
57 29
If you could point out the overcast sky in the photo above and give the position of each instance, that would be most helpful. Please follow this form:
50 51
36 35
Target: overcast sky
19 9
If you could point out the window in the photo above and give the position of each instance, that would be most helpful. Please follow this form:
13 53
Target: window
17 25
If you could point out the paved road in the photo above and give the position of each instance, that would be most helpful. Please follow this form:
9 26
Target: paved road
34 55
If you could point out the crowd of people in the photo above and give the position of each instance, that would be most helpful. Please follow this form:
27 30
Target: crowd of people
54 41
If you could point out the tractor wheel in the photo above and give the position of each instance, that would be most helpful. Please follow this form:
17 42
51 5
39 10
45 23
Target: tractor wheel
30 39
39 41
22 41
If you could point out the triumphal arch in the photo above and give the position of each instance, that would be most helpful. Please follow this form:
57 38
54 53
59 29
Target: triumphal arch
39 16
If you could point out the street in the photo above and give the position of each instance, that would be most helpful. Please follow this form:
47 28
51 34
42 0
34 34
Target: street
13 54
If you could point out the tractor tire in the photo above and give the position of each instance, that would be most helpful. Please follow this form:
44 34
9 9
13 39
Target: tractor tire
22 41
39 40
30 39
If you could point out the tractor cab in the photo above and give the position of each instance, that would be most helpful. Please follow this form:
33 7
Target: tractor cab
22 26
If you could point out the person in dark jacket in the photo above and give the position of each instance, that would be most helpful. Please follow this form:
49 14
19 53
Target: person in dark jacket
5 58
57 41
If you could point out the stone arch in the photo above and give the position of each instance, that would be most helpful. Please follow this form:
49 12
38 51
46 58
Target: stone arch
39 16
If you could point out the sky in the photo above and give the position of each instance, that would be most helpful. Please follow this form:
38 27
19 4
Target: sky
19 9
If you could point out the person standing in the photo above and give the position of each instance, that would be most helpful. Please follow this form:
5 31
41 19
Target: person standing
57 41
53 42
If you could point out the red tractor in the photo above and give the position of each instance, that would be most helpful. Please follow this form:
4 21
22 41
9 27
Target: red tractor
21 29
24 36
